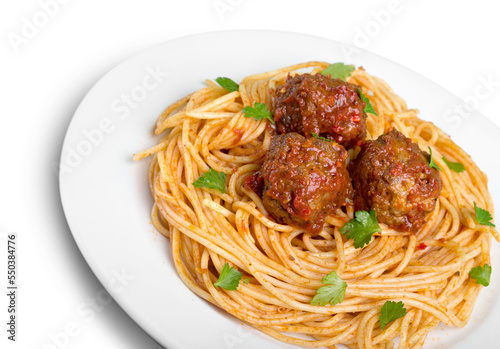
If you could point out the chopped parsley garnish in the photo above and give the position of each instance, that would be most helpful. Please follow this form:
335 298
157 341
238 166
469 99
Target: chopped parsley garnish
228 84
212 180
229 278
246 281
333 293
258 111
391 311
362 228
482 216
368 107
481 275
338 71
323 138
431 161
454 166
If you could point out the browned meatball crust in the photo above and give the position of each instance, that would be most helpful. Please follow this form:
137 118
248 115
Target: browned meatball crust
392 176
304 180
317 104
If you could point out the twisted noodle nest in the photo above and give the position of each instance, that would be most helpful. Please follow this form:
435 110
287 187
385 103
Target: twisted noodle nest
285 265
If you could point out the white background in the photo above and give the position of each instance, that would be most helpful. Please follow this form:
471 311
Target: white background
46 72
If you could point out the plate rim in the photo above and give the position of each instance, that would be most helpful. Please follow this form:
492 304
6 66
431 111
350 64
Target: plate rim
101 276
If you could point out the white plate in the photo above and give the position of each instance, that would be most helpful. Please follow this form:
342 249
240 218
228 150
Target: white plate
106 197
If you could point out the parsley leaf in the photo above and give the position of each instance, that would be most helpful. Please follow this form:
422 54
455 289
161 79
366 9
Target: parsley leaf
229 278
258 111
323 138
391 311
227 84
454 166
481 275
368 107
333 293
212 180
338 71
431 161
482 216
362 228
246 281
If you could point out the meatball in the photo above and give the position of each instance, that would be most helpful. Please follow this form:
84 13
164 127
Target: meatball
331 108
392 176
304 180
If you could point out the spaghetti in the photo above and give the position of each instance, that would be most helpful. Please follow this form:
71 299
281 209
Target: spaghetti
282 265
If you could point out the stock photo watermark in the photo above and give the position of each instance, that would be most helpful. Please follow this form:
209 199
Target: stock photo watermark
121 108
32 24
485 88
87 311
232 340
9 246
380 19
224 7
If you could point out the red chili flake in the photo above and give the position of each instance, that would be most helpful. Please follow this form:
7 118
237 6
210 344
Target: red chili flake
441 240
356 118
422 246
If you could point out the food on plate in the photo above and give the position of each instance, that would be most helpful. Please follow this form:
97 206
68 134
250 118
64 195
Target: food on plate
392 175
304 180
251 187
330 108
